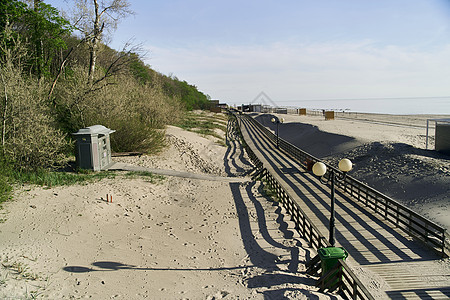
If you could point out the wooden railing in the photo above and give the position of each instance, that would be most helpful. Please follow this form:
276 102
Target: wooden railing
303 223
339 278
399 215
347 283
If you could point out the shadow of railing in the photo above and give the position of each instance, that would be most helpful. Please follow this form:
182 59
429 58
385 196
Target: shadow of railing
426 293
259 256
307 188
397 214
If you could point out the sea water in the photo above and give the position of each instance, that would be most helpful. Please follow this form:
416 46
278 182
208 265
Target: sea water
397 106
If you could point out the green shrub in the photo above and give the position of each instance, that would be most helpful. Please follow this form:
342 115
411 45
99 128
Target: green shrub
29 134
5 189
134 135
138 113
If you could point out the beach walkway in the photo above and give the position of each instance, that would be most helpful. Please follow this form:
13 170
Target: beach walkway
389 262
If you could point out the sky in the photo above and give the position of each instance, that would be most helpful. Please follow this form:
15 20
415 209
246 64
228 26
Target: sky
295 49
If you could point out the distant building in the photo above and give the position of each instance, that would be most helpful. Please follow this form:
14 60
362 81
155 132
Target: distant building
245 108
280 110
251 108
266 109
214 106
214 103
255 107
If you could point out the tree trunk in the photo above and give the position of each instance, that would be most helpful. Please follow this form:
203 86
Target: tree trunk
93 44
92 60
5 111
38 43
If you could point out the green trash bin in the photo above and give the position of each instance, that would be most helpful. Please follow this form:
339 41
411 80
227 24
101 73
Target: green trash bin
329 257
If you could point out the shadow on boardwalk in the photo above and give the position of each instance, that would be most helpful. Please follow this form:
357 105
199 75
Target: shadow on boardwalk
355 226
265 236
408 268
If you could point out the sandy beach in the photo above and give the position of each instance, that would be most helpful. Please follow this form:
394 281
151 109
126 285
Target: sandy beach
165 238
175 237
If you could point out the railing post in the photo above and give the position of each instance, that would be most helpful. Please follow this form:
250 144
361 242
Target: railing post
332 219
385 210
355 290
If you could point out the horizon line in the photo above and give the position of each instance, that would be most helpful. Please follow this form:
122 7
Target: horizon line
358 99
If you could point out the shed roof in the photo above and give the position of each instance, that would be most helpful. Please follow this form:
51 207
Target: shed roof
94 130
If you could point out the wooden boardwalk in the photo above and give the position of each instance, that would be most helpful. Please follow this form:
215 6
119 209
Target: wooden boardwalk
391 263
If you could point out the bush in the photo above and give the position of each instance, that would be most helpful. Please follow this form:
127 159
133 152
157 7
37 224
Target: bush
138 112
29 136
134 135
5 189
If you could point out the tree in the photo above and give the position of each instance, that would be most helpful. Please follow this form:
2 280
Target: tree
92 17
29 137
11 12
49 30
40 26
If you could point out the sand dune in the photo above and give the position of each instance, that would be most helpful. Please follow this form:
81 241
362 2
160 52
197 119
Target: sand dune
176 238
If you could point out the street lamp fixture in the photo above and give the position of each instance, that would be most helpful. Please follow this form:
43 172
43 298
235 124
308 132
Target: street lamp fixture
319 169
277 121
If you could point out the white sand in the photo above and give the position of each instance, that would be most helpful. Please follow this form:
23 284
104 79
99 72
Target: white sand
356 125
175 239
184 238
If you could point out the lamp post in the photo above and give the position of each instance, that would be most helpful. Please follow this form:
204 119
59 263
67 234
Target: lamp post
277 121
319 169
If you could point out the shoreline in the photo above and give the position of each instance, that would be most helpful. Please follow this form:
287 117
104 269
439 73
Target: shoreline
417 120
393 106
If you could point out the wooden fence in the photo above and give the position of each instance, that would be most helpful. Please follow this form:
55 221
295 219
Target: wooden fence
342 277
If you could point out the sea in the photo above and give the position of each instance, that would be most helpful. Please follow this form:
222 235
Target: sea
397 106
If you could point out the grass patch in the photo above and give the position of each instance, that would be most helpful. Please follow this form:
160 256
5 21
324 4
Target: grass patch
268 191
20 269
10 176
51 179
5 189
193 122
204 124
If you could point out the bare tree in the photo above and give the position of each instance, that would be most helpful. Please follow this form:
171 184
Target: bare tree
92 17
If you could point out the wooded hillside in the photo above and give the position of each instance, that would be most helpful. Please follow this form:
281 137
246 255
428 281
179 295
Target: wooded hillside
57 76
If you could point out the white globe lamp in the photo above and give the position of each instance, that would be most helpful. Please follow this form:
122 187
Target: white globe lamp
319 169
345 165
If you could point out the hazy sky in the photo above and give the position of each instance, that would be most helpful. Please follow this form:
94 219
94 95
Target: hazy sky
296 49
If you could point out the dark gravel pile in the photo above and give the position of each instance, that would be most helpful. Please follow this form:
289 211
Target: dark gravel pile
415 177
